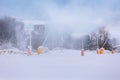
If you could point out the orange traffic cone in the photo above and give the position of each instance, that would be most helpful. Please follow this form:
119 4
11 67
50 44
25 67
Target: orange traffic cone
82 52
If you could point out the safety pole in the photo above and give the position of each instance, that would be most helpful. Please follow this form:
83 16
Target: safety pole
30 44
82 50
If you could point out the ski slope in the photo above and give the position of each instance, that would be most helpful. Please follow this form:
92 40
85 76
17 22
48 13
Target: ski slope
60 65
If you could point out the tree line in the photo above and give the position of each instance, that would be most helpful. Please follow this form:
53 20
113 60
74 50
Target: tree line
12 33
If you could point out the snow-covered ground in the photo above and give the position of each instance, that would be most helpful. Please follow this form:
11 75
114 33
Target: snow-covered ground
60 65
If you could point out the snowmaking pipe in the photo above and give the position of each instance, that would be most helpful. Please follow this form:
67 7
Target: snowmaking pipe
30 44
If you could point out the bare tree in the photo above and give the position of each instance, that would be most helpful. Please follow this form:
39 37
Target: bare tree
11 31
104 38
98 39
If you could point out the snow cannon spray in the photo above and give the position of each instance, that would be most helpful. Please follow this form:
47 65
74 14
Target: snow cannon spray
82 52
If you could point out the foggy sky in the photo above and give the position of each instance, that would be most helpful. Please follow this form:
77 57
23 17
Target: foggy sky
77 16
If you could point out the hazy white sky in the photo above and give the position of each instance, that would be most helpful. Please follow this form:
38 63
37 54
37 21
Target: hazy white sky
72 15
